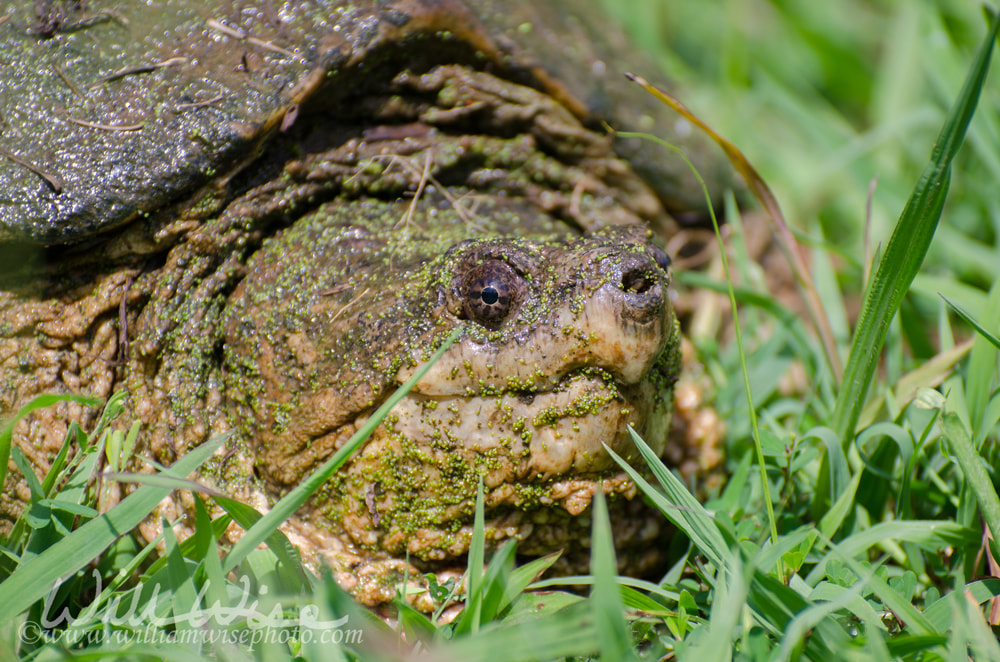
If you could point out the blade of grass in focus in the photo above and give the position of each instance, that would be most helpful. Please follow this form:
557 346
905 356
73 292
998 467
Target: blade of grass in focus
906 249
901 260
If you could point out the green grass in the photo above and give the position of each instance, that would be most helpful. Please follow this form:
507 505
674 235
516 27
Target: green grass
881 486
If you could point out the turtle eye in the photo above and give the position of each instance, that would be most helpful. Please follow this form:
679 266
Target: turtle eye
490 293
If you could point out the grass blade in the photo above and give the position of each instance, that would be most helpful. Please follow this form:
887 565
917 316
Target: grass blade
32 580
900 262
905 251
727 609
915 622
678 505
524 575
983 361
73 434
800 627
775 606
972 467
247 516
472 614
940 614
7 431
971 321
180 583
606 598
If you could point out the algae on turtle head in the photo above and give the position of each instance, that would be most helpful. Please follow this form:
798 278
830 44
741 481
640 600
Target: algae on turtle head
516 401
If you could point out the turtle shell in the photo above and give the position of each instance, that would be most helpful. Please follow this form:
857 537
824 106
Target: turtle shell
111 112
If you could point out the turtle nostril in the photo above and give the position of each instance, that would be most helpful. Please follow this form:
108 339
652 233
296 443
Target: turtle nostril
637 281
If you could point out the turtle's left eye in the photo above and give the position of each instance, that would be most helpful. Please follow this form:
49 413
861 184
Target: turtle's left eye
490 293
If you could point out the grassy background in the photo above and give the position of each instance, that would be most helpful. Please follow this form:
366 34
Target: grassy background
822 97
826 99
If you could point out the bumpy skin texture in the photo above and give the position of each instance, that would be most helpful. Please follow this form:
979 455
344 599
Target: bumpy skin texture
285 301
338 310
111 110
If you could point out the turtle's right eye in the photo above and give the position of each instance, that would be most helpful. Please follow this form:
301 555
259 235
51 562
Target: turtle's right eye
491 292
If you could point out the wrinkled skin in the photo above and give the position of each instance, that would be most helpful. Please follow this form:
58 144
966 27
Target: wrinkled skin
283 303
582 345
113 110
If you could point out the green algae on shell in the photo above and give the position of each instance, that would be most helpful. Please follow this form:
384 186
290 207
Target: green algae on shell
91 107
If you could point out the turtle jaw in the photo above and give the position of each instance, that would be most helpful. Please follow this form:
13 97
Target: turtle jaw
541 457
540 435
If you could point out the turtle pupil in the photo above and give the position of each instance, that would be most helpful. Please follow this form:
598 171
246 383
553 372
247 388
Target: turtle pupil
491 290
490 296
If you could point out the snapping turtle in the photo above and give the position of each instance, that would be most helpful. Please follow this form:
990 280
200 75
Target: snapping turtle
262 218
